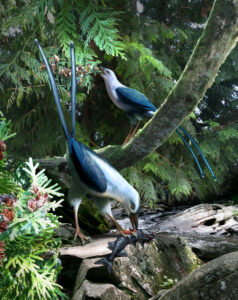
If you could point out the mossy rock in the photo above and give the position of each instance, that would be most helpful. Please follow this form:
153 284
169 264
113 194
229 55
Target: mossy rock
216 280
145 271
91 220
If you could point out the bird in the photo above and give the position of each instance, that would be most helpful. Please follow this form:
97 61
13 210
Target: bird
90 173
137 106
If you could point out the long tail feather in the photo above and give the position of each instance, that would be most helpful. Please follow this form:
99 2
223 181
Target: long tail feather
199 150
73 87
193 154
54 90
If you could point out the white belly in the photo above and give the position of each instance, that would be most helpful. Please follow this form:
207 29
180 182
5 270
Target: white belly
113 96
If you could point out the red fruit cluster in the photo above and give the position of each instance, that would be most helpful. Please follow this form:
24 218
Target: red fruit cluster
7 205
2 149
39 200
66 72
80 70
54 64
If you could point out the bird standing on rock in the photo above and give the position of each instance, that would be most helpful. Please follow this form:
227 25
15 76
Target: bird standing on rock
91 174
137 106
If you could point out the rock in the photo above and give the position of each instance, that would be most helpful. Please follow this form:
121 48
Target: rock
91 220
141 274
159 294
203 219
148 217
216 280
144 269
97 247
65 232
90 271
103 291
211 247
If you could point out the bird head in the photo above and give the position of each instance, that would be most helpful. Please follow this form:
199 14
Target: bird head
107 74
132 206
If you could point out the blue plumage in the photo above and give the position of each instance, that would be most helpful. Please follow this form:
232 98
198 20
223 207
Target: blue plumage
88 170
136 100
137 106
90 173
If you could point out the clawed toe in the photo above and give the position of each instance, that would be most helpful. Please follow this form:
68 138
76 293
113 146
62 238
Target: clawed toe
83 239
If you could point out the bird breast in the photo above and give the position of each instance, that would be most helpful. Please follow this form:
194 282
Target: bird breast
111 89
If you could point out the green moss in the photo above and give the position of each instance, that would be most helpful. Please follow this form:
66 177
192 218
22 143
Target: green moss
91 220
174 261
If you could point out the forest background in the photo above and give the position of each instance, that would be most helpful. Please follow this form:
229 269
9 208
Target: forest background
147 44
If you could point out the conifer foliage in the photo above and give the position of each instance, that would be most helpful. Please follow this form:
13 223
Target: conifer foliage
29 263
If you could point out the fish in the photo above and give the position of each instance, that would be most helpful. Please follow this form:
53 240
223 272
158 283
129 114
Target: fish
118 247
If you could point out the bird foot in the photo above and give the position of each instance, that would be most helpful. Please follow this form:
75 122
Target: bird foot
121 231
130 231
133 232
82 237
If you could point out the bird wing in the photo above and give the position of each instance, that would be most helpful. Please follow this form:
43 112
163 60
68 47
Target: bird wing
88 170
134 98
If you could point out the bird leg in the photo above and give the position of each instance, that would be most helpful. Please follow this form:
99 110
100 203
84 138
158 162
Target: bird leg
78 232
118 227
135 130
131 134
128 137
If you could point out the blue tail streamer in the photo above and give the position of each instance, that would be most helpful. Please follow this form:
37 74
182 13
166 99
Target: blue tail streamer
199 150
54 90
73 87
193 154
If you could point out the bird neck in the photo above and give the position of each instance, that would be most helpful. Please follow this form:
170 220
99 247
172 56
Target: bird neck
111 86
112 83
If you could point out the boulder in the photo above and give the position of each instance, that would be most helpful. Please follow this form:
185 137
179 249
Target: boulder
97 247
212 219
216 280
142 273
103 291
211 246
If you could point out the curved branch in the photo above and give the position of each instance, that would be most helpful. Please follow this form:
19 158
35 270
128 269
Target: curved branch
214 45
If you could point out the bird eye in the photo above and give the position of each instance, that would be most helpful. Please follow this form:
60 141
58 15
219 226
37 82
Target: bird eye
132 206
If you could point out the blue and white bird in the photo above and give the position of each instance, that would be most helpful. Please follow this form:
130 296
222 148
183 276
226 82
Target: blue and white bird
91 174
137 106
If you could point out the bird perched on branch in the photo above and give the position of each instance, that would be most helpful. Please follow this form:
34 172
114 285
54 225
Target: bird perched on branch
91 174
137 106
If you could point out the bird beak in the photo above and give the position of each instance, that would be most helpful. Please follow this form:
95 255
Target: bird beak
101 69
134 220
